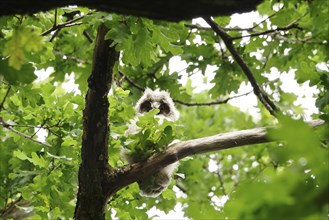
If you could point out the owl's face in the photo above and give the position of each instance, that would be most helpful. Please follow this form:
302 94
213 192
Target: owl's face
157 100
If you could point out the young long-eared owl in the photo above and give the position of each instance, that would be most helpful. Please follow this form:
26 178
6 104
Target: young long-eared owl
154 185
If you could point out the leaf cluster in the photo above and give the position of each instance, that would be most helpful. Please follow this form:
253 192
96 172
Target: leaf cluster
33 174
154 135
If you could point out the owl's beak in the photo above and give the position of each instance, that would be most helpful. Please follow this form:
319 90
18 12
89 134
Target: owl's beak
155 105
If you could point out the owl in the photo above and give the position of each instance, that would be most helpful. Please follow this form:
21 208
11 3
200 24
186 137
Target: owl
153 185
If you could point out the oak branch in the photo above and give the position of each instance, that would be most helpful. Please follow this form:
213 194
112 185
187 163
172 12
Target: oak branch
131 173
171 10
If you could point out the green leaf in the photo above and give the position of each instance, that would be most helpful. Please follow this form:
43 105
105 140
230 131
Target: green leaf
168 194
25 74
296 132
20 155
306 71
23 39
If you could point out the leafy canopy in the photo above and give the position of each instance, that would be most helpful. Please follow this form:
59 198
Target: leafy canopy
41 122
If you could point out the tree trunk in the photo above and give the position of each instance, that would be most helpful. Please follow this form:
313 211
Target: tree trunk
92 196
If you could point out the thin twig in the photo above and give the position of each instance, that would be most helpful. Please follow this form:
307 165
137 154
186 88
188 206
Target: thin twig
42 124
85 33
220 178
47 127
9 206
301 41
55 18
63 25
181 188
261 22
267 57
9 127
292 25
199 27
54 35
237 179
264 99
211 103
141 88
71 57
5 97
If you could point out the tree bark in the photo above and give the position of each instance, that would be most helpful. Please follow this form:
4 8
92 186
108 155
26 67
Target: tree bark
171 10
92 197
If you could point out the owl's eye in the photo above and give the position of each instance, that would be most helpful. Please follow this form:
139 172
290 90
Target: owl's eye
164 108
146 106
